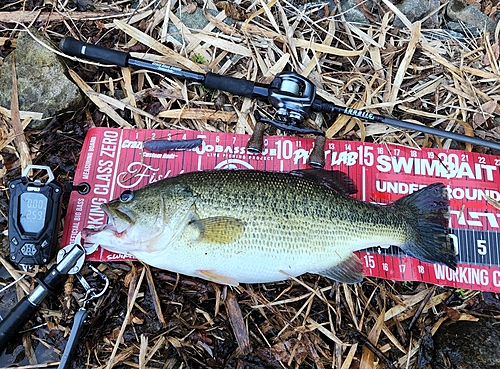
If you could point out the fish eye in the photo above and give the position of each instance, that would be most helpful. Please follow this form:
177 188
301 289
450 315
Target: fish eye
127 196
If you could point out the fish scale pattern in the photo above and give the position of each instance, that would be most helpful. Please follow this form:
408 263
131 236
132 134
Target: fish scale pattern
291 224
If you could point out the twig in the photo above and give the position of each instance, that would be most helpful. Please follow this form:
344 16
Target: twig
154 294
366 342
237 323
111 361
421 307
17 126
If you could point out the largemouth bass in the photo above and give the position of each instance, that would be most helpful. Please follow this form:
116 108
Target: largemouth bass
242 226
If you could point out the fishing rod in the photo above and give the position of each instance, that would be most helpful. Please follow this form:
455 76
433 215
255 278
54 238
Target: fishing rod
292 95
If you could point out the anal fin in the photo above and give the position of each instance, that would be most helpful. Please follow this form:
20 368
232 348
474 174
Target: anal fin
212 276
349 270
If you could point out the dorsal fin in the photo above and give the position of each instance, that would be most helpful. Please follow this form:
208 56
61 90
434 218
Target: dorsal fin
334 179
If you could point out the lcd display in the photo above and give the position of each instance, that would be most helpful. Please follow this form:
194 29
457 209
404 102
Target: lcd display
33 210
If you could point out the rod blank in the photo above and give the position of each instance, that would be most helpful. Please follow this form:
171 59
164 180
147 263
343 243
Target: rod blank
332 108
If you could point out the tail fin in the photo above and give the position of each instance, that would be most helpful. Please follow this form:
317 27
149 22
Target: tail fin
427 211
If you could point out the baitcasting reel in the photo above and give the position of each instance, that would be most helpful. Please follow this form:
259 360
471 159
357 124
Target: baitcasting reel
292 95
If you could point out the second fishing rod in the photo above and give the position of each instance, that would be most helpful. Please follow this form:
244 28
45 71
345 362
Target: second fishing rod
292 95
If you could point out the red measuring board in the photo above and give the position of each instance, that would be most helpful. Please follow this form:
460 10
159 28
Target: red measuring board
113 160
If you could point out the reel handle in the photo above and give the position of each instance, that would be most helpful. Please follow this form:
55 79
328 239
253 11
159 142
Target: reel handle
317 157
256 141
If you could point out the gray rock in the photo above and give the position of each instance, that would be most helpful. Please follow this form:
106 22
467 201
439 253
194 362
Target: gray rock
196 20
470 15
41 81
416 10
352 13
465 344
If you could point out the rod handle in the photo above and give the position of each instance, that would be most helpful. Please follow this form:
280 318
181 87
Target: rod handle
100 54
235 86
15 320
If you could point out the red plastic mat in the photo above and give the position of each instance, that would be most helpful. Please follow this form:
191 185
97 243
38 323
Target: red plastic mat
111 162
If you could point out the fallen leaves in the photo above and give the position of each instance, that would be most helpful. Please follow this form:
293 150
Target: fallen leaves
485 113
232 10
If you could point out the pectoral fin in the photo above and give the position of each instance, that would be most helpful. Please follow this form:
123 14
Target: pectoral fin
212 276
349 270
219 229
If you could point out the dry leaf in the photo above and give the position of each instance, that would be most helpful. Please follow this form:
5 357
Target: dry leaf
237 322
405 63
154 296
195 113
282 351
468 317
496 53
484 113
161 93
115 333
490 200
3 169
189 8
452 313
137 320
456 315
490 10
129 277
232 10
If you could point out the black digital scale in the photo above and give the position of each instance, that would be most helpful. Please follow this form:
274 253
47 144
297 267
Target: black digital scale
34 214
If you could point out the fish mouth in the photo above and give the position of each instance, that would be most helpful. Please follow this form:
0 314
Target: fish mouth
119 221
105 236
120 218
89 232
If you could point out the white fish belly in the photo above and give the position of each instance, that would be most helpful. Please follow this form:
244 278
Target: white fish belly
268 253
